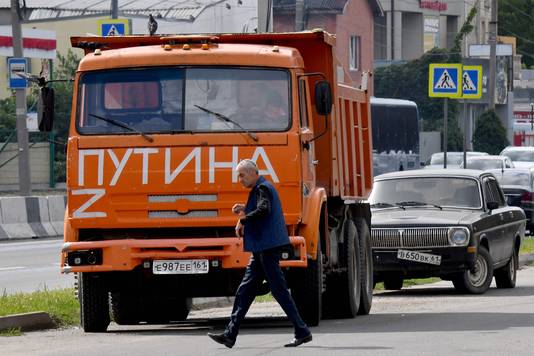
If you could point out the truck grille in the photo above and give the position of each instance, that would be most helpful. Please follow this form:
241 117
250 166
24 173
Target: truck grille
410 237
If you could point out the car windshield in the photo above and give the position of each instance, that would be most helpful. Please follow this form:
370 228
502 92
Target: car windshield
520 156
178 99
483 164
442 191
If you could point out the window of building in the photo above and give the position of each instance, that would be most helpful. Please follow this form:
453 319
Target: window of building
354 53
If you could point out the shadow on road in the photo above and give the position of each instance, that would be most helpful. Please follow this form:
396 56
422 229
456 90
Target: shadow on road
451 292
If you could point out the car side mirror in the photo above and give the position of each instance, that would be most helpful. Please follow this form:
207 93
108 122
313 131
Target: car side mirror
492 205
323 98
45 114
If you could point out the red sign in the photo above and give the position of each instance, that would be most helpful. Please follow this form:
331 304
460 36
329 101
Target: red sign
433 5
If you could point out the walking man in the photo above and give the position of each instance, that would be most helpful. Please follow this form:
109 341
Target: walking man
261 224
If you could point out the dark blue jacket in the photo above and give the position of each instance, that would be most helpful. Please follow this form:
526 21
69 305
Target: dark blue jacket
267 231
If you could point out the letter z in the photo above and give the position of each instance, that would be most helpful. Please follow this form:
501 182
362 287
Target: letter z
81 211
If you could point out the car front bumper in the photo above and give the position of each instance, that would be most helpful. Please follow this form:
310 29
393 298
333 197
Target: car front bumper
453 259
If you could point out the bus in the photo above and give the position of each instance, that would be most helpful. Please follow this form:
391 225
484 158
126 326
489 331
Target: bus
395 135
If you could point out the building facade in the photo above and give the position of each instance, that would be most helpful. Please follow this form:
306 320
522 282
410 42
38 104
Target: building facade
352 23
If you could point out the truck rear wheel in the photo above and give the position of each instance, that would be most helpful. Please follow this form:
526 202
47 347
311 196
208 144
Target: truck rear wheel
342 296
366 263
125 308
94 303
307 290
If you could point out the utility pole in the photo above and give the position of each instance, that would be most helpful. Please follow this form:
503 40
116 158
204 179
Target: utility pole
20 98
114 9
493 54
299 15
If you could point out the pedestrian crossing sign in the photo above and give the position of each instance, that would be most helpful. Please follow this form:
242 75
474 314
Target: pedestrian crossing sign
113 27
472 82
445 80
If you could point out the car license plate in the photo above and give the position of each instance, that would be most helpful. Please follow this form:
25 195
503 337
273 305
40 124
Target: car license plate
419 257
180 266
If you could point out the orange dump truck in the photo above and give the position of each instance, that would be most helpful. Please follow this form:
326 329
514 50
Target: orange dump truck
158 127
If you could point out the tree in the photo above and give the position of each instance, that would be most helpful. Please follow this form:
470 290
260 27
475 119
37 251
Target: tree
65 69
490 135
515 19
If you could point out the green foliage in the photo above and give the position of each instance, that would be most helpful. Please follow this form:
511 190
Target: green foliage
410 81
490 135
65 69
515 19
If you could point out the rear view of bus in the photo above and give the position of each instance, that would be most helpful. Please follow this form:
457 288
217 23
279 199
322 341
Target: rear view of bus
395 135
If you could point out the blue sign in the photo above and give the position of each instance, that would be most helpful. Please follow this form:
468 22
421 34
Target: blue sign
472 82
445 80
114 27
14 66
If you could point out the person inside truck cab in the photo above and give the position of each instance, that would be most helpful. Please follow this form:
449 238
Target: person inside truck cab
260 107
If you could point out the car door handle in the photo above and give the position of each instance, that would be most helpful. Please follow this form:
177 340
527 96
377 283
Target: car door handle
501 216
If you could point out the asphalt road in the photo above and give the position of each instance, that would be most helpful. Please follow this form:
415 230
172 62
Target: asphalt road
425 320
27 266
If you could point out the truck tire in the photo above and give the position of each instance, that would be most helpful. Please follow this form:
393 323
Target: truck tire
506 276
94 303
307 290
342 296
125 308
476 282
393 282
366 261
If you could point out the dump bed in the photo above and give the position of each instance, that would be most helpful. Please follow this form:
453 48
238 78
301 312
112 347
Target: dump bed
344 153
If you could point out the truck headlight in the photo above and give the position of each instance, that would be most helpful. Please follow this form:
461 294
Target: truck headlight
459 236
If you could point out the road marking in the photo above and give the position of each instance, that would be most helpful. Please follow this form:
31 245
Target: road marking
10 268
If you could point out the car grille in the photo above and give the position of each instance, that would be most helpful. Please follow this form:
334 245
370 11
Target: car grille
410 237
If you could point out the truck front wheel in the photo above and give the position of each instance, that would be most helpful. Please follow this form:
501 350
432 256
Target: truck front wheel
366 260
94 303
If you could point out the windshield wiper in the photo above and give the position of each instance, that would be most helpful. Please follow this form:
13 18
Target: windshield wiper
418 203
386 205
124 126
227 119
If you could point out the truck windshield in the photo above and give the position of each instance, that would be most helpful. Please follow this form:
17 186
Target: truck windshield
169 100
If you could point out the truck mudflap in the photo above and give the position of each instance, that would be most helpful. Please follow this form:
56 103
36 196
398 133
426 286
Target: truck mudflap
125 255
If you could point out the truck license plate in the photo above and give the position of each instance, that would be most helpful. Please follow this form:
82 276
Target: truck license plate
419 257
180 266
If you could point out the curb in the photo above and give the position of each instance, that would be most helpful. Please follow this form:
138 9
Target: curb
27 321
526 259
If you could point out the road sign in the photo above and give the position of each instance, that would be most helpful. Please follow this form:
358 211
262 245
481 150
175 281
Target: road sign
445 80
114 27
17 65
472 82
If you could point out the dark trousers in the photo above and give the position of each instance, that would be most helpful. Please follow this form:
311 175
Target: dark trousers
264 266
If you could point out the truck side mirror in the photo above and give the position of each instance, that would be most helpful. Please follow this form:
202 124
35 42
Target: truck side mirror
45 114
492 205
323 98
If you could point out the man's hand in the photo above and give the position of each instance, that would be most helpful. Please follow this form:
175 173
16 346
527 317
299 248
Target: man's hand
239 229
238 209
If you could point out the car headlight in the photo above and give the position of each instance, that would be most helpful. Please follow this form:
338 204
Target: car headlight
459 236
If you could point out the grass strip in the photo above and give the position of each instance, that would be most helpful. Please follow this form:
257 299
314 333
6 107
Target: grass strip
527 245
61 304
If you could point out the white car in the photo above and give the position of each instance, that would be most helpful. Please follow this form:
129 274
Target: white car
454 159
523 157
488 162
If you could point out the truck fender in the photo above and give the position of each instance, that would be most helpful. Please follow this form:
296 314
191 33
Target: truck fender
314 212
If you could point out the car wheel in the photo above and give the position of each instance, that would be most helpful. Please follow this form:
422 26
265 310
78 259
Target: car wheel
393 282
478 280
505 277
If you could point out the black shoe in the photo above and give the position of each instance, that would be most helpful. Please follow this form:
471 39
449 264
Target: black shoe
296 342
222 338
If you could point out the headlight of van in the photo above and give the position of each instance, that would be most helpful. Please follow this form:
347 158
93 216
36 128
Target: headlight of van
459 236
